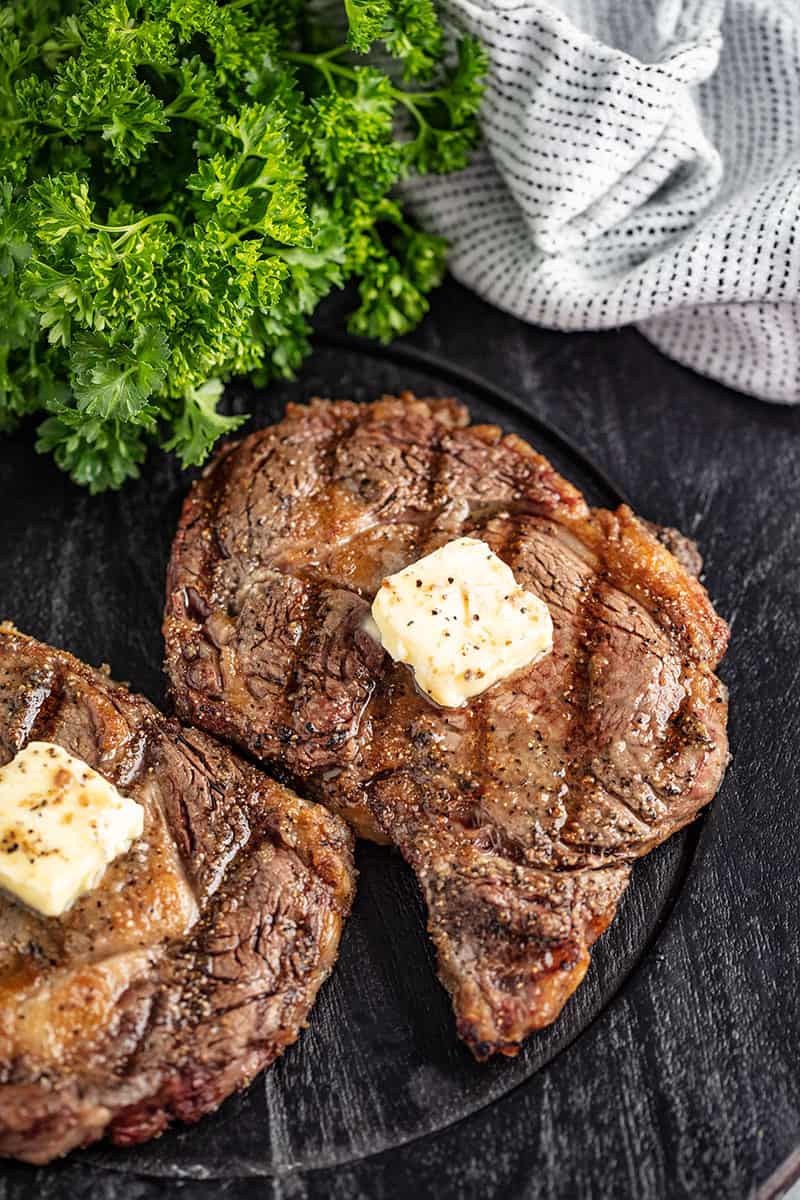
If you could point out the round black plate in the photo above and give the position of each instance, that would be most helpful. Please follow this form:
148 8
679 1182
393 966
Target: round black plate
380 1065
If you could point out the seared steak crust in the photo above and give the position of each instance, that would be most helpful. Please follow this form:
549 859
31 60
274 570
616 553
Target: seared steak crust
521 812
197 958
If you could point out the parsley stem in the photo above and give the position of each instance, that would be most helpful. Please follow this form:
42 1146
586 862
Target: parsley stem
135 226
239 234
334 52
324 64
321 62
409 102
265 251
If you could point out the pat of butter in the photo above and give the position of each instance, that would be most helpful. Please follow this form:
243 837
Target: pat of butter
459 618
61 824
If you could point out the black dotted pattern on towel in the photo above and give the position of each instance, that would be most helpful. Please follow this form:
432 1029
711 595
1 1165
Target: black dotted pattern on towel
662 189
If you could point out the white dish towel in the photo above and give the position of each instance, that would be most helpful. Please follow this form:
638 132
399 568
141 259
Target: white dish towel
641 163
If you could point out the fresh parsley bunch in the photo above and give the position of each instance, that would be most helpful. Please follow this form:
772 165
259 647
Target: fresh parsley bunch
182 181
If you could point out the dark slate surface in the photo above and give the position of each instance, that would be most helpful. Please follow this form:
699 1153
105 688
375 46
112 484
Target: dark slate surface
674 1070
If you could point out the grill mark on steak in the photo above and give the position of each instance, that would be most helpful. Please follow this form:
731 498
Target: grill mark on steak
582 746
579 689
521 812
195 960
490 836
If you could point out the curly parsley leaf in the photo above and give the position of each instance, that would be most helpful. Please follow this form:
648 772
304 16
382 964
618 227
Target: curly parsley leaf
198 424
409 29
116 380
97 453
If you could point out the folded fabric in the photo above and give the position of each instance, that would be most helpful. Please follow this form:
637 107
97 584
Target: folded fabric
641 163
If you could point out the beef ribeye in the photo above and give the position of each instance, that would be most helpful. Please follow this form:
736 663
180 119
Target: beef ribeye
195 961
521 812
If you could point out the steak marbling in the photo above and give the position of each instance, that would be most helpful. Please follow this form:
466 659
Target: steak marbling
520 813
195 961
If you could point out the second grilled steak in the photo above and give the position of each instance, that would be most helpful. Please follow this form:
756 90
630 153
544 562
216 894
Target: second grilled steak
196 959
521 812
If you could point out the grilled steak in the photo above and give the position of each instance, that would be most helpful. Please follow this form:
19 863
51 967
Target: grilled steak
521 812
197 958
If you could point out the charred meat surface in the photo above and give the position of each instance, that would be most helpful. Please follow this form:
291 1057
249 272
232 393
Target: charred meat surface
520 812
195 961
